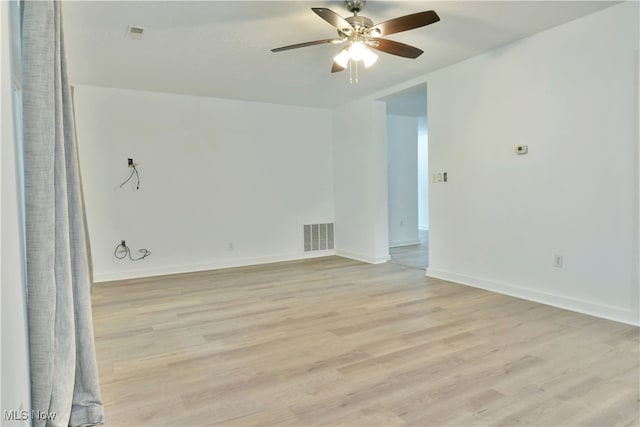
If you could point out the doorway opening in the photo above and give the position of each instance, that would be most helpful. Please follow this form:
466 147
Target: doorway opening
408 177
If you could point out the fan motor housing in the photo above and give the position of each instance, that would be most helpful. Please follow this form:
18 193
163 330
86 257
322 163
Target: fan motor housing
358 22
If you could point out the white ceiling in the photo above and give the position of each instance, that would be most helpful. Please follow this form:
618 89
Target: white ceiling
222 48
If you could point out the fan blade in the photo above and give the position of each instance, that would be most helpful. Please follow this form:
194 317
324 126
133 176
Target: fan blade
335 68
394 48
334 19
313 43
407 22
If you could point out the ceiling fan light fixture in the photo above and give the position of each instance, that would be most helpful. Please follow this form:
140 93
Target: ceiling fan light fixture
358 51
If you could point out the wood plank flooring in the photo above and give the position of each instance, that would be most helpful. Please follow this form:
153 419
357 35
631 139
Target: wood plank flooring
416 256
337 342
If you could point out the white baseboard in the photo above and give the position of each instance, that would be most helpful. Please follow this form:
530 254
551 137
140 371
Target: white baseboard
400 243
598 310
364 258
216 265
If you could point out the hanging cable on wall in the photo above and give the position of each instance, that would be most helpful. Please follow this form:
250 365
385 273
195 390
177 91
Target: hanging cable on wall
134 171
122 251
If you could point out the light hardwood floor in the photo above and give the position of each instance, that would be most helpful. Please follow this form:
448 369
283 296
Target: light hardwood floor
416 256
337 342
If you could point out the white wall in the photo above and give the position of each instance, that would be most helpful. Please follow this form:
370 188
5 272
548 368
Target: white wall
402 178
360 177
423 174
213 172
14 358
570 93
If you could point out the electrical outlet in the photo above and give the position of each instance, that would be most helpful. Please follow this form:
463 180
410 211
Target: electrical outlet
558 261
129 162
123 243
230 246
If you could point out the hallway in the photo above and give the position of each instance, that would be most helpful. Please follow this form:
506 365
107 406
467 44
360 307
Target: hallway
415 256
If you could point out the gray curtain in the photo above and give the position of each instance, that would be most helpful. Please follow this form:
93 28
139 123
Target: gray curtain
64 375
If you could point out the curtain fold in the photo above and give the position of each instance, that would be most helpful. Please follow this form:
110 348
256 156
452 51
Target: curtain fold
64 375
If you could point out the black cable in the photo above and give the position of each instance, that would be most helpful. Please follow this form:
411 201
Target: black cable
133 171
128 179
126 251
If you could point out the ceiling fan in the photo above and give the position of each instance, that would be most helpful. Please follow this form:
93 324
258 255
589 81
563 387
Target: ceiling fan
360 34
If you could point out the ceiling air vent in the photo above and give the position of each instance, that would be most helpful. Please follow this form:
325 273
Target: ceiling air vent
135 32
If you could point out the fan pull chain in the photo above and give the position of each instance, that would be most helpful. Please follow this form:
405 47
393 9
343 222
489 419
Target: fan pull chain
351 73
357 72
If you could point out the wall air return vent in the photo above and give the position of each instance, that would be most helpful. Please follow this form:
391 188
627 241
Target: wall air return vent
318 237
135 32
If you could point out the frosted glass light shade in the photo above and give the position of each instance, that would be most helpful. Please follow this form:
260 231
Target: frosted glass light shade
358 51
369 58
342 59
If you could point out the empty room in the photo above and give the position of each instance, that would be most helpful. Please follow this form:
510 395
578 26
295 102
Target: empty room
299 213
